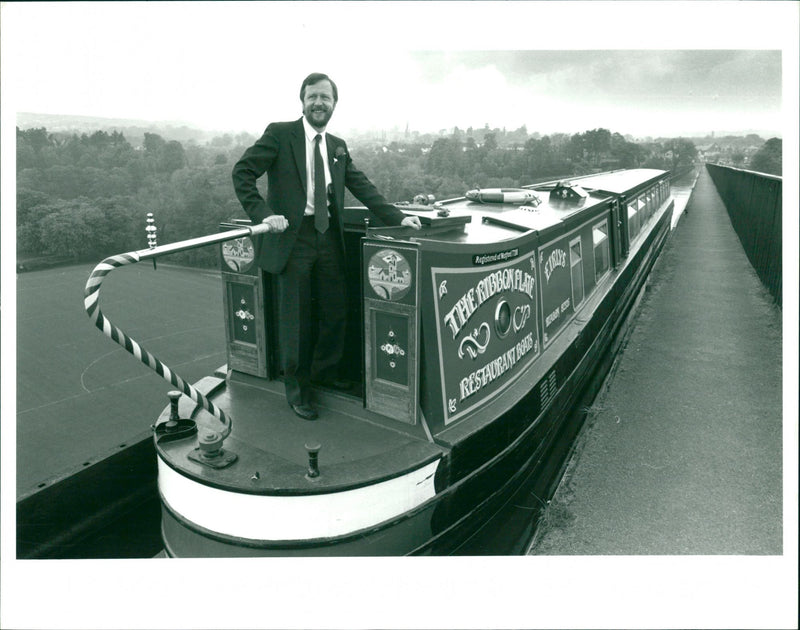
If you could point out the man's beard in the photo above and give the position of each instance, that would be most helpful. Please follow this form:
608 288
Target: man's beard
318 117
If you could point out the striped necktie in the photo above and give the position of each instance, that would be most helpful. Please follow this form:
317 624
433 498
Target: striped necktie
320 196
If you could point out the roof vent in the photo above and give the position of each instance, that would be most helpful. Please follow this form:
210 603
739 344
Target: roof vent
567 191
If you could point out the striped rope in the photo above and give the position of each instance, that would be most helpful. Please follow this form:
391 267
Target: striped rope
91 304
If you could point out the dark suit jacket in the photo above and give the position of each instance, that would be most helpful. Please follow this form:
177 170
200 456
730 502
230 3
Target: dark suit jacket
281 154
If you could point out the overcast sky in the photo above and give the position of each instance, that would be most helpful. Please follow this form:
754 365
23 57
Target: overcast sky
649 68
236 67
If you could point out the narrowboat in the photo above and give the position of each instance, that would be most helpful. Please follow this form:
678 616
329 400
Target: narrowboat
469 343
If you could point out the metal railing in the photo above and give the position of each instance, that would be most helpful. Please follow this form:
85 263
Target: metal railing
754 203
92 307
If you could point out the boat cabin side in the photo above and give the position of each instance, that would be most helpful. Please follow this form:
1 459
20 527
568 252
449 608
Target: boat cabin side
444 320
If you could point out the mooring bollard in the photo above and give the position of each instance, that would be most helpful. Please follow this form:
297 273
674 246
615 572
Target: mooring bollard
313 460
174 398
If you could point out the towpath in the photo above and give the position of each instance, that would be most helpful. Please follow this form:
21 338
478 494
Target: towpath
681 452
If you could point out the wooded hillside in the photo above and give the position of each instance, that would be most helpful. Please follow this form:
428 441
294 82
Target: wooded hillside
86 196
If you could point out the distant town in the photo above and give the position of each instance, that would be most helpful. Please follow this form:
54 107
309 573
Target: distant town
726 142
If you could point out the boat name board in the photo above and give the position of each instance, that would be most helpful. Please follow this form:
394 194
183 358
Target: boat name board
501 281
486 326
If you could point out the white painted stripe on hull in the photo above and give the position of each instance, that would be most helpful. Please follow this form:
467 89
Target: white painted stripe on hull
294 518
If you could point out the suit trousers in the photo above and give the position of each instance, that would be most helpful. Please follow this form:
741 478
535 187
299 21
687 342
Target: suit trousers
311 289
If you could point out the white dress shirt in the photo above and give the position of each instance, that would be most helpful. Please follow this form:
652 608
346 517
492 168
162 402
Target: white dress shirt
311 134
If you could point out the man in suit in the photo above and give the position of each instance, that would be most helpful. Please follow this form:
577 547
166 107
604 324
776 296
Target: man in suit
307 171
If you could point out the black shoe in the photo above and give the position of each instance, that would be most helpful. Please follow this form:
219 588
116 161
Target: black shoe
306 411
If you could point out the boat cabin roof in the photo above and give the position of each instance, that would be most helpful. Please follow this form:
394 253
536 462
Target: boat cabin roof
619 182
478 222
517 218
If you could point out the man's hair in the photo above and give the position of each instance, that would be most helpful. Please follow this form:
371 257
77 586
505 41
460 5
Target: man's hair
313 79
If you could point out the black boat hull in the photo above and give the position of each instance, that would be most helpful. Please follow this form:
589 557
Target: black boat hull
538 433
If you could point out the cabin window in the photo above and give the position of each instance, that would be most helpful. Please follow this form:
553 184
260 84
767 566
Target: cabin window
641 212
576 271
601 249
633 223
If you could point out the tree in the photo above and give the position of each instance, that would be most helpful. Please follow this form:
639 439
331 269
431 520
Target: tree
35 148
684 153
629 154
768 159
153 143
597 143
87 194
66 231
576 148
225 140
37 138
444 157
172 157
32 207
